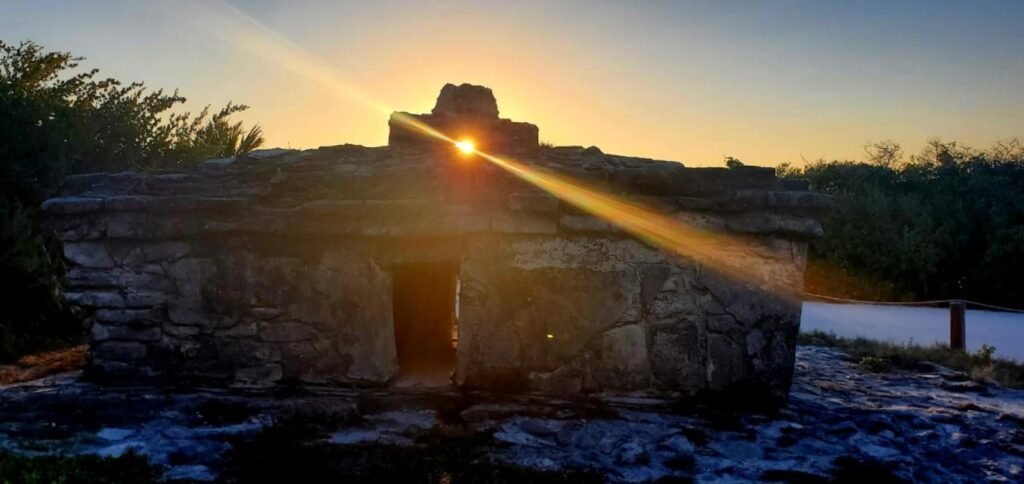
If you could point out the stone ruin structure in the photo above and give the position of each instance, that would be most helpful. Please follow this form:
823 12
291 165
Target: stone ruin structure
350 265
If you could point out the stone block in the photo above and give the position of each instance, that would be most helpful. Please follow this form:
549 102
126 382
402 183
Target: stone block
725 364
677 356
286 331
585 223
133 317
180 331
122 351
522 223
533 202
72 205
96 299
138 299
102 332
145 253
88 254
259 376
620 361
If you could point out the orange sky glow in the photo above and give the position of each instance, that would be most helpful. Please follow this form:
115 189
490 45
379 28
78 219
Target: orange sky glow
764 82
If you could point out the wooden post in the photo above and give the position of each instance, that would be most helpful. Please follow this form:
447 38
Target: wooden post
957 326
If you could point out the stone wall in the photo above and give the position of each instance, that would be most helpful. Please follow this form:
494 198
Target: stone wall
277 267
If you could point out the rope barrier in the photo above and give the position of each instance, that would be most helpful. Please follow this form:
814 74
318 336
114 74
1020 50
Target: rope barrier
911 303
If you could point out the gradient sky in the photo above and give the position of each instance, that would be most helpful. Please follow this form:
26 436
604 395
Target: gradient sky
766 82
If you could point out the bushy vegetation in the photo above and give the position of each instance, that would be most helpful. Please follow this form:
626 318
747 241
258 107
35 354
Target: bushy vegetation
945 223
58 120
86 468
880 357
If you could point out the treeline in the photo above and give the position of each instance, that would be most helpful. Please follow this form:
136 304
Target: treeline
945 223
57 120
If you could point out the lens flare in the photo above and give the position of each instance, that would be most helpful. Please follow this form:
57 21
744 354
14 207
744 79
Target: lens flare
707 248
465 146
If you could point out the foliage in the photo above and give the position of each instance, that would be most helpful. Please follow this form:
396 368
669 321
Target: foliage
129 467
59 120
880 356
947 223
874 365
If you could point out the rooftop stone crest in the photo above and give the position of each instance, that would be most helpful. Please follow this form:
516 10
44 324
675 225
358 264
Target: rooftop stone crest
466 111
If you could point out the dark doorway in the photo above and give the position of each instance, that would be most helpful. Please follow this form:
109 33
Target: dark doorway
425 318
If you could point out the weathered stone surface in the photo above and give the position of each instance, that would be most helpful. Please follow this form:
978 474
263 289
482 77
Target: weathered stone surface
156 252
533 202
583 223
121 351
263 375
101 332
143 317
678 356
95 299
88 254
466 99
512 223
725 364
619 361
72 205
286 331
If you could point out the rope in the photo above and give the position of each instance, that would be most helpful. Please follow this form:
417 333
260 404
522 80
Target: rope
912 303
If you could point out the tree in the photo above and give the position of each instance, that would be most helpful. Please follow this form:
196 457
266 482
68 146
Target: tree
57 120
946 224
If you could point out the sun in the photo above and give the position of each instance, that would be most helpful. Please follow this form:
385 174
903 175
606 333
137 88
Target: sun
465 146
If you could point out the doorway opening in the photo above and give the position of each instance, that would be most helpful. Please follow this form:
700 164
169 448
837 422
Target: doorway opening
425 310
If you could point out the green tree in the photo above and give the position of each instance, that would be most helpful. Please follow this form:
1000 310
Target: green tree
945 224
57 120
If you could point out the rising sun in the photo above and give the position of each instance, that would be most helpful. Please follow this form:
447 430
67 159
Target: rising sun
465 146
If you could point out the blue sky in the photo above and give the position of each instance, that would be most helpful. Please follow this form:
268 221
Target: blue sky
766 82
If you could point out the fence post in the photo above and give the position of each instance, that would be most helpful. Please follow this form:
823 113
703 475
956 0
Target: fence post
957 326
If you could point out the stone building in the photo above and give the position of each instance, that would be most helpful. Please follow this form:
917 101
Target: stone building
354 265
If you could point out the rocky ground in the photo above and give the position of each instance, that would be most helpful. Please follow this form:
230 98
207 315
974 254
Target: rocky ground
842 424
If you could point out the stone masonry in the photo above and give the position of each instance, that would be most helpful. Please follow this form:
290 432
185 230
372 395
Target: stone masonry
277 267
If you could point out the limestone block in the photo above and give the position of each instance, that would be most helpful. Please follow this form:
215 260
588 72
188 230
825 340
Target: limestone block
72 205
101 332
88 254
137 299
585 223
286 331
522 223
725 363
514 321
620 361
466 99
240 353
259 376
677 355
176 331
124 351
532 202
240 330
96 299
144 253
132 317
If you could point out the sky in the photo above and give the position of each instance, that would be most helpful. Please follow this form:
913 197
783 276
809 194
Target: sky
766 82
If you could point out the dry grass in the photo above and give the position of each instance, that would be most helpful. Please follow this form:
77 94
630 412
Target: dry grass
880 356
32 367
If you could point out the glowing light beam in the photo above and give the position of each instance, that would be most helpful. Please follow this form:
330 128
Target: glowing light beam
233 26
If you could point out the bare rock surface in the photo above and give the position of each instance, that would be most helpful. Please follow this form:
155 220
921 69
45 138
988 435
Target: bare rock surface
840 424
